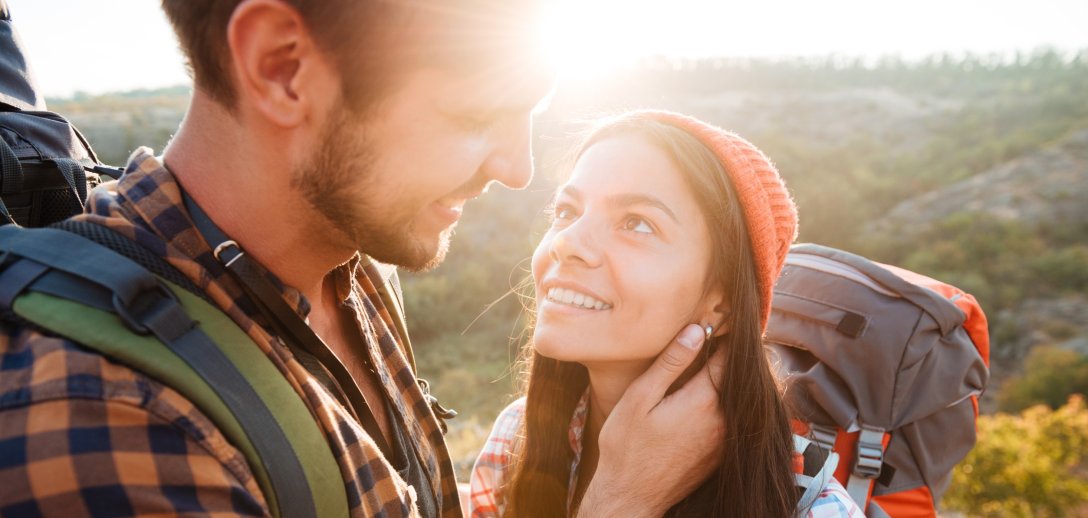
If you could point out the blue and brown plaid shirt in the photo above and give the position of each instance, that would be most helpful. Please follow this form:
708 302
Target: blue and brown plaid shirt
81 435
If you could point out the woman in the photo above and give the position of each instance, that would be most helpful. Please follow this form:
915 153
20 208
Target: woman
665 221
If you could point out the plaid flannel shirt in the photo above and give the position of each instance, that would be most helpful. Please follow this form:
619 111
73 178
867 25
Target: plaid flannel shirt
489 472
81 435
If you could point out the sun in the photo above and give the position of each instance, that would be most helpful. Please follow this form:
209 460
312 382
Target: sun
588 38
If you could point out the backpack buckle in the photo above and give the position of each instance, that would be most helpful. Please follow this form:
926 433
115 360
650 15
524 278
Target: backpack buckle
870 452
153 309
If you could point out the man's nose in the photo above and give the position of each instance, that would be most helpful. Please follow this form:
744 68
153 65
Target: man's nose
511 162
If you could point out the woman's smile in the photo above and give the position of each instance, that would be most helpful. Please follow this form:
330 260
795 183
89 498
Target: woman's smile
628 244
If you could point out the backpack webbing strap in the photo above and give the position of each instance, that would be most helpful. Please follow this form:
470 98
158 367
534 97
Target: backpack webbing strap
234 386
868 460
875 511
11 178
813 484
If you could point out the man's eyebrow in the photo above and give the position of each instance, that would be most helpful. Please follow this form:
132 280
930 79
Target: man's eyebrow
629 199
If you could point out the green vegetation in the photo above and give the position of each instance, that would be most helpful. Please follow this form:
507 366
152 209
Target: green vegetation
853 140
1000 262
1051 375
968 116
1034 464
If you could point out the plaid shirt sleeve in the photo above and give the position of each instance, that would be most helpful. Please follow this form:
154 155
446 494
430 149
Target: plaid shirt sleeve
82 436
835 502
488 474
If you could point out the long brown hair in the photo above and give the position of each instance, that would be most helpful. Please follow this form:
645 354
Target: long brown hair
756 476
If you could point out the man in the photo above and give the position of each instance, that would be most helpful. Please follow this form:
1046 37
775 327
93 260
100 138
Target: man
318 130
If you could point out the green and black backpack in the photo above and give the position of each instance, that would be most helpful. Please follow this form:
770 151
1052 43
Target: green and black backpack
89 284
71 281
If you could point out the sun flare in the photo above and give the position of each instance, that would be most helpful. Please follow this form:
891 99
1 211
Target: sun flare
587 38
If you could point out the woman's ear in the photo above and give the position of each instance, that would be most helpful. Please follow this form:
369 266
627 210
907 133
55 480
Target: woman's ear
715 312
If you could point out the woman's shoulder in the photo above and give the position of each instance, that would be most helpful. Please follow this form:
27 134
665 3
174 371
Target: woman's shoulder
489 471
501 440
515 411
509 421
835 502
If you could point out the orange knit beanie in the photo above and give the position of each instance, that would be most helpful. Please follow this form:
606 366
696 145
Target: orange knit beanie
768 210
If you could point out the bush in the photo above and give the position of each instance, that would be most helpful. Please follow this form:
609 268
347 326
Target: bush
1032 464
1051 374
1064 268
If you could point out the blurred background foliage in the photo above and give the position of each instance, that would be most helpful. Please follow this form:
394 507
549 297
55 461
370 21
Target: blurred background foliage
969 169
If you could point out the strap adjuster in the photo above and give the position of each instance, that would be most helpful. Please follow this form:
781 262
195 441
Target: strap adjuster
219 250
823 435
870 452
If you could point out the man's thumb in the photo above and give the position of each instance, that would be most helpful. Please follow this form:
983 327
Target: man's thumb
673 361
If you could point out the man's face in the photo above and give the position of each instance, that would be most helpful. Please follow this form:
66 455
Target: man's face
393 185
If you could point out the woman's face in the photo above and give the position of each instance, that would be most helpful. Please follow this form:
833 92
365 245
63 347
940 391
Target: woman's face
623 267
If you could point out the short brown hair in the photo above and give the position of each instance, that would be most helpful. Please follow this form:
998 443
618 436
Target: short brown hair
201 27
370 40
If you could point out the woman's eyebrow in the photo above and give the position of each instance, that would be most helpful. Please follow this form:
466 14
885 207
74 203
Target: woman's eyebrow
622 200
629 199
569 191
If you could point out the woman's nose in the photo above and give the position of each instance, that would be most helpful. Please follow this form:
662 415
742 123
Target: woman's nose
577 244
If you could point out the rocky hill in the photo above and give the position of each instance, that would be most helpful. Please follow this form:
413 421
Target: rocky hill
1046 187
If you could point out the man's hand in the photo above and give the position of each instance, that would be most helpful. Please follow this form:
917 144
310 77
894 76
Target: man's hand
657 449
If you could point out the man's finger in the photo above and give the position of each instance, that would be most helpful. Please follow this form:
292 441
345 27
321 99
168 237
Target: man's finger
668 366
705 387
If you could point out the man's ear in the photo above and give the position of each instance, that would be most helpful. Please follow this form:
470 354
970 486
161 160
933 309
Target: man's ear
277 66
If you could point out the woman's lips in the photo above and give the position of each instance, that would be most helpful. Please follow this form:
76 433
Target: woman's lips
575 298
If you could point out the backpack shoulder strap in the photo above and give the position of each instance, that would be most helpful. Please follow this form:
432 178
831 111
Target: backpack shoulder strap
814 471
11 172
85 292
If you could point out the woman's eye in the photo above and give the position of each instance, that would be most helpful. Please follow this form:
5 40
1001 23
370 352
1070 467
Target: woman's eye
564 212
637 224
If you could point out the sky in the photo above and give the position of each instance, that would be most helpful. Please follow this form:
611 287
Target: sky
99 46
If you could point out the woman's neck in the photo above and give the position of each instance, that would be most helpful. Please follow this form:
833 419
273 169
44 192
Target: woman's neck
607 383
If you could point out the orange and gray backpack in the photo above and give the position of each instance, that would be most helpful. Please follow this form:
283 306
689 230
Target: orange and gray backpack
884 367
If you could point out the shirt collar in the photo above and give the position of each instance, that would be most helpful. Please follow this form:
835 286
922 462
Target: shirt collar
575 432
149 196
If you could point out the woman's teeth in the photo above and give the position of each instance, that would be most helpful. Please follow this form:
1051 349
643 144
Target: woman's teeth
576 299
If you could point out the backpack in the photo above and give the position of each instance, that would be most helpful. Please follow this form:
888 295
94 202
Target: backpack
68 281
47 165
89 284
884 367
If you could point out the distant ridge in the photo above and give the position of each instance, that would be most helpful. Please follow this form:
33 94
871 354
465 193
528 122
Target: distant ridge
1043 187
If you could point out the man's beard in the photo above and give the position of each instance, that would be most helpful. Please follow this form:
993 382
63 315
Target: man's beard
335 181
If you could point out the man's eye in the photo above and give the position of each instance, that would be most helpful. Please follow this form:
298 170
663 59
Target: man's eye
637 224
564 212
476 124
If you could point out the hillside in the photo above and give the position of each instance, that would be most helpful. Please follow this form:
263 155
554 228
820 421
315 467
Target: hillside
968 169
1043 187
